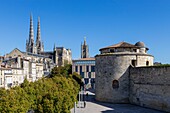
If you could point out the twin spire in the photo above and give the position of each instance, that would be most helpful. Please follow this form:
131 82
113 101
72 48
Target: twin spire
30 46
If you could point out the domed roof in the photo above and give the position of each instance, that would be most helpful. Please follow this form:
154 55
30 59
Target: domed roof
140 44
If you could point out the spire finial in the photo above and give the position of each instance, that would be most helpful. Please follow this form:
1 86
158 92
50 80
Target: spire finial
84 40
31 34
54 46
38 19
30 15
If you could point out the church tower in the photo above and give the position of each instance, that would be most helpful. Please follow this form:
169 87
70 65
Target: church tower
30 42
55 55
84 50
39 44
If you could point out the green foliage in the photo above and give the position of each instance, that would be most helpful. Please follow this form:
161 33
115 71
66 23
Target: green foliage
78 78
62 71
47 95
162 65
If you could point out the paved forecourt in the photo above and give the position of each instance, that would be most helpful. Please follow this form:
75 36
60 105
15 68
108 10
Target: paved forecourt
93 106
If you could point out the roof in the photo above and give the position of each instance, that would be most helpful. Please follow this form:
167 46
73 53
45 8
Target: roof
141 44
121 45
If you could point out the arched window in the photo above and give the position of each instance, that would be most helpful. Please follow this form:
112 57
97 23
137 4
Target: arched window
115 84
147 63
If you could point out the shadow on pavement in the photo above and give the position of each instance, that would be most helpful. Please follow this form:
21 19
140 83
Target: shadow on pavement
118 108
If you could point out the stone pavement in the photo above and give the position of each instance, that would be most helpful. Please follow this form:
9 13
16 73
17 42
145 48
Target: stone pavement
93 106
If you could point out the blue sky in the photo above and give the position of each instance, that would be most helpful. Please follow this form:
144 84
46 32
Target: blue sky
103 22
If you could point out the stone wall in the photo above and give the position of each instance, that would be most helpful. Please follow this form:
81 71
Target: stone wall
150 87
110 68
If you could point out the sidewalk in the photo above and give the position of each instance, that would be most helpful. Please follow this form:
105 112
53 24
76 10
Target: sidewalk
99 107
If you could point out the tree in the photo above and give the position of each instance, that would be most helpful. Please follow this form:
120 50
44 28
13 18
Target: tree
56 94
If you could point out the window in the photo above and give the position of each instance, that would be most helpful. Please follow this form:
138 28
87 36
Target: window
82 74
92 68
112 50
147 63
133 62
76 68
135 50
80 69
115 84
86 80
89 75
87 68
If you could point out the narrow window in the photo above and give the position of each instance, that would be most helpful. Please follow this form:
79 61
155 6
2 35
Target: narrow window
81 69
147 63
76 68
92 68
89 75
115 84
87 68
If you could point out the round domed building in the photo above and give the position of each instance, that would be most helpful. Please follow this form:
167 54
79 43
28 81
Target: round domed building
112 70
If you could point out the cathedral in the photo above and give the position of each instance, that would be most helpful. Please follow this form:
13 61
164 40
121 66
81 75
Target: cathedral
59 55
30 46
32 64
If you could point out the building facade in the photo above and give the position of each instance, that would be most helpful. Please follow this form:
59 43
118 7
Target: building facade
112 70
15 70
85 66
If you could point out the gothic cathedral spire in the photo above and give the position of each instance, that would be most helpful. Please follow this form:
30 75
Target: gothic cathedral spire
30 42
39 44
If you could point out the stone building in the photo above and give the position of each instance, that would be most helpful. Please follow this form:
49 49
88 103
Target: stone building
85 66
32 64
84 50
30 46
15 70
5 77
112 70
125 74
59 55
47 62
